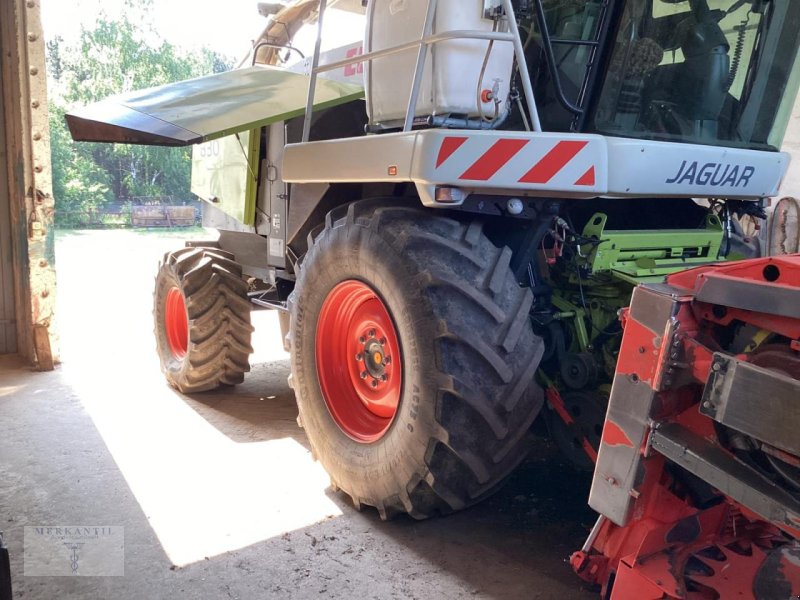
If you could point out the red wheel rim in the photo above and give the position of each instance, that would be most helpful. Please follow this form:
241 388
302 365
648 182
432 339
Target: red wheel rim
358 361
176 323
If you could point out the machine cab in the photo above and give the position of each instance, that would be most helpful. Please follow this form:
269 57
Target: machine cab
713 72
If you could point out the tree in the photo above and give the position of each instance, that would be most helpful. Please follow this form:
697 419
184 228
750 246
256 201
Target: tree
80 185
111 58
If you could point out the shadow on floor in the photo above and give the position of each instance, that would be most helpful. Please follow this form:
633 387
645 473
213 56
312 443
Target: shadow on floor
261 409
513 545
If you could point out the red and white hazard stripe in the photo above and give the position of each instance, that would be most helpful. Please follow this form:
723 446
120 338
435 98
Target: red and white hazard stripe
566 163
560 165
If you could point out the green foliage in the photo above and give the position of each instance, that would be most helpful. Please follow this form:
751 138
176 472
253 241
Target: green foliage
80 185
111 58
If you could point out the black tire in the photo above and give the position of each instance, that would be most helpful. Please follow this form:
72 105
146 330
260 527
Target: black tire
217 346
469 353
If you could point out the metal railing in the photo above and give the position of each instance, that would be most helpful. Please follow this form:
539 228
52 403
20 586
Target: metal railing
427 39
288 47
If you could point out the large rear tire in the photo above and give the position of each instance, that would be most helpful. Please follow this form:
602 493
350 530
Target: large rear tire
439 425
202 319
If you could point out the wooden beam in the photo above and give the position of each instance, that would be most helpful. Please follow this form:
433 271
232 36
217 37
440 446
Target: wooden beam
24 89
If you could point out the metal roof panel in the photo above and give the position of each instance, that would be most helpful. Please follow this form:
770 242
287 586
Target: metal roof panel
206 108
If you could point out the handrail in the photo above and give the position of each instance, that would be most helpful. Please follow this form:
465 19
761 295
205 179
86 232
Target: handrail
551 60
288 47
456 34
413 100
427 39
312 82
522 65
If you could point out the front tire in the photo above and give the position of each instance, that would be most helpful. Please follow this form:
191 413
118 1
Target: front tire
441 425
202 319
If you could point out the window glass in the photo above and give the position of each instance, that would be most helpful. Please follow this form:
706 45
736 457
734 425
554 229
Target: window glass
702 71
567 23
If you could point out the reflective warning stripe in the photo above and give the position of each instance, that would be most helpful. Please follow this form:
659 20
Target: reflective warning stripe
587 178
494 159
491 161
555 160
449 145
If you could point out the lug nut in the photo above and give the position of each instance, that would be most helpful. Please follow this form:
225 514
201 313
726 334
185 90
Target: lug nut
382 341
364 374
374 383
387 360
362 339
359 357
383 377
371 333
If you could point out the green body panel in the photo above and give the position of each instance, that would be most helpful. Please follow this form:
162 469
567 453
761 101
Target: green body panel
613 263
204 109
576 314
638 256
591 312
224 174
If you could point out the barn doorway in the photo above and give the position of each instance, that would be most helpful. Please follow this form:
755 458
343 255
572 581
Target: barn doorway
8 326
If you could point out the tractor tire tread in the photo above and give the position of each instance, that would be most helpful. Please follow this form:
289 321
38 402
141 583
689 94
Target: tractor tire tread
218 319
487 355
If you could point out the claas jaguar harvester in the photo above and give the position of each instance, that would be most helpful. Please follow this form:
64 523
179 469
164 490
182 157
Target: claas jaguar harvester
452 218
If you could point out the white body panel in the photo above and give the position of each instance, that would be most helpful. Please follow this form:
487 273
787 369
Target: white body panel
452 69
640 168
539 164
353 74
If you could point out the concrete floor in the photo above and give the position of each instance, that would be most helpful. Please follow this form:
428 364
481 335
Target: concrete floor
218 494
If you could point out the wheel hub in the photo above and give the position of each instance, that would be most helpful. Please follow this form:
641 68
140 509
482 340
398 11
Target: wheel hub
176 323
358 361
374 357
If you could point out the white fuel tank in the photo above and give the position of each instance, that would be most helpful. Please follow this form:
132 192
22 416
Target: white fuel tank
450 84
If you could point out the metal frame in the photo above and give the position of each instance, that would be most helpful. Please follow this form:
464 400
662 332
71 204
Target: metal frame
725 473
651 528
288 47
757 401
597 46
427 39
588 96
547 44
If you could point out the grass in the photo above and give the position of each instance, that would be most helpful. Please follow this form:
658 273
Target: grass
171 231
150 232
